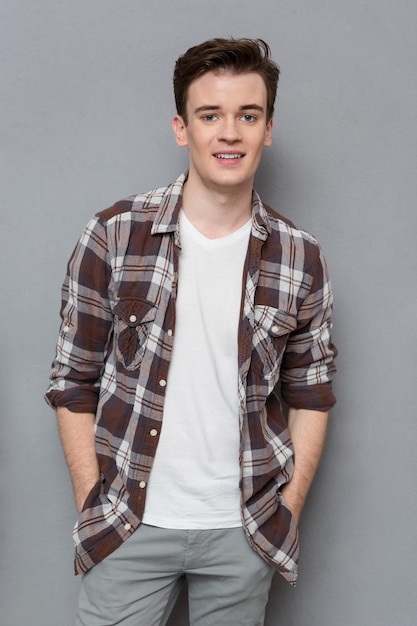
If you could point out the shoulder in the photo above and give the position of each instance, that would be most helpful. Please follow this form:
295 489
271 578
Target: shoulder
293 247
295 243
143 203
281 226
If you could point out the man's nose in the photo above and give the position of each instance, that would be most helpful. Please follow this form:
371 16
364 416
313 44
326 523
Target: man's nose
229 130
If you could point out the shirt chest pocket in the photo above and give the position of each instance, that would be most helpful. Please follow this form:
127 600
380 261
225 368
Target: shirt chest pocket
271 329
134 318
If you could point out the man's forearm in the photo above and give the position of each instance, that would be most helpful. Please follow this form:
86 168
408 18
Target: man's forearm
308 432
78 441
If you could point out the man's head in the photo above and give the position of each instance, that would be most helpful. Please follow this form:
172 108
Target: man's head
237 56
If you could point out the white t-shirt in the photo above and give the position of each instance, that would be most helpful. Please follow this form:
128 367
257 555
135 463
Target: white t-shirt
194 482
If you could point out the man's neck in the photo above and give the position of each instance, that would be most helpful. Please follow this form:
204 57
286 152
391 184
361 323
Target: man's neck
216 213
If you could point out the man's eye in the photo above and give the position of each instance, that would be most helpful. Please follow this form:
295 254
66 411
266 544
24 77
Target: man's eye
208 118
249 118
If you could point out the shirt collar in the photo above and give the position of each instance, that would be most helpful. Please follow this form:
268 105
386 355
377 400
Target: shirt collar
167 217
261 226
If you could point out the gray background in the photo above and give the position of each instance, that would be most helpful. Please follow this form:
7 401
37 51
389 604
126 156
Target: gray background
86 106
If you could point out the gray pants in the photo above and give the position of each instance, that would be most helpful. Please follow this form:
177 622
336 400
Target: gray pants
138 584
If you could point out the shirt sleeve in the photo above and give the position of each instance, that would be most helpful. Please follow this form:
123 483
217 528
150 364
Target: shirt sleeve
308 363
86 325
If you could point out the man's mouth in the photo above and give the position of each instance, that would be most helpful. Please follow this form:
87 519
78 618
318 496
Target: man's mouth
229 156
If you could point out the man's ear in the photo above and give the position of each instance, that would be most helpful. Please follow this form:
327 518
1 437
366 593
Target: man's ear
180 131
268 133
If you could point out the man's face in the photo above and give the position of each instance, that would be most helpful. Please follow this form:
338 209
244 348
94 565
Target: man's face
226 129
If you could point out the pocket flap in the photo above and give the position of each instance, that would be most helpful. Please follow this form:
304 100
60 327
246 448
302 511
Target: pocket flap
135 311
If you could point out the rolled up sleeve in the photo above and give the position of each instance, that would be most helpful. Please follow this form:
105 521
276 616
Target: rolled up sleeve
86 323
308 364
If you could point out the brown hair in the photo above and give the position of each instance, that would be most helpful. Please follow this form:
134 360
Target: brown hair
233 55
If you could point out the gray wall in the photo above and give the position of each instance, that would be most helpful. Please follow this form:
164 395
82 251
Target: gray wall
86 108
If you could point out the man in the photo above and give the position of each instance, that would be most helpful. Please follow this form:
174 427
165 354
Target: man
182 310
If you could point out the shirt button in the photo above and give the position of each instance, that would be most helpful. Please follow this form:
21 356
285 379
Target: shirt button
66 329
162 382
153 432
132 318
142 484
128 526
274 329
169 333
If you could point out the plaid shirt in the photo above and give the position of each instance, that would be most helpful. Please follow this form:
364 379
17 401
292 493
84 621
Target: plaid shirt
115 346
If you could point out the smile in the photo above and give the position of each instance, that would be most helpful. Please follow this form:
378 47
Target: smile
228 156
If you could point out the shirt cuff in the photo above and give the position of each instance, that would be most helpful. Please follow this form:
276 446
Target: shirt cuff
310 397
77 400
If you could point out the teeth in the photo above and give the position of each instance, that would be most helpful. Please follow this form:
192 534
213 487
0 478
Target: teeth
228 156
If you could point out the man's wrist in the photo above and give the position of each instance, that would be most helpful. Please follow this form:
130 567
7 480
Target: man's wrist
294 502
81 494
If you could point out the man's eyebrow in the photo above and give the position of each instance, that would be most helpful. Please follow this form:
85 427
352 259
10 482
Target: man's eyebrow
216 107
256 107
207 107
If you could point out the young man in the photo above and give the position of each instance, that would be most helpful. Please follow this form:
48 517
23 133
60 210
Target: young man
182 310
